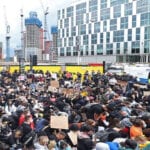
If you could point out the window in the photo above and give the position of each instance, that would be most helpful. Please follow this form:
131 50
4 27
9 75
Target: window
73 31
113 24
89 28
92 50
63 33
65 42
125 47
79 19
147 33
58 14
117 2
68 51
135 47
147 46
87 50
62 52
118 36
137 34
82 29
67 32
100 49
124 23
96 27
118 48
69 11
101 38
92 5
103 4
117 11
107 37
81 8
128 9
63 13
142 6
66 22
105 14
134 21
75 52
85 40
129 34
145 19
109 49
105 26
70 41
94 39
59 42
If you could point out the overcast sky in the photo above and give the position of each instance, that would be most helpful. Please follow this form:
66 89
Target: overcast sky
12 14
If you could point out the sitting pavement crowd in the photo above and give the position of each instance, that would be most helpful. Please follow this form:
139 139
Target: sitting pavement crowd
102 115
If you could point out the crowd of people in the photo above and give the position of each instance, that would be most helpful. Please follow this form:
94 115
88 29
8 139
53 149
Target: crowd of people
103 112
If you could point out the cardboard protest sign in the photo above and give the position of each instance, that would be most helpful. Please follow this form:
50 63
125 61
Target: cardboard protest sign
54 83
146 93
52 89
73 137
59 122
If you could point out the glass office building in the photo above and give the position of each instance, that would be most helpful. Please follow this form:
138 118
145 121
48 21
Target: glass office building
91 31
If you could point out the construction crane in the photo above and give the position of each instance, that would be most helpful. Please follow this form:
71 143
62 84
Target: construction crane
7 36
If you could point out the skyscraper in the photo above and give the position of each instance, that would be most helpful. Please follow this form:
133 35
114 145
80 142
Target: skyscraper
104 30
33 40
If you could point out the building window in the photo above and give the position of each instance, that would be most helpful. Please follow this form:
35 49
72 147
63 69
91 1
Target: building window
63 33
70 41
73 31
94 39
105 26
72 21
67 32
92 49
118 36
59 42
113 24
105 14
58 14
124 23
118 48
128 9
129 34
147 33
100 49
109 49
79 19
63 13
82 29
68 51
97 27
65 42
85 40
142 6
87 50
117 11
89 28
66 22
136 47
145 19
103 4
92 5
62 52
81 8
147 46
87 18
134 21
117 2
107 37
125 48
61 23
75 52
137 34
70 11
101 38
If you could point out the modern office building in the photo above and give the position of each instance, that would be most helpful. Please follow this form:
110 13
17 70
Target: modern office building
92 31
33 37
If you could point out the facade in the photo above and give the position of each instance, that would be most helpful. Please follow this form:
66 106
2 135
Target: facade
33 37
104 30
54 54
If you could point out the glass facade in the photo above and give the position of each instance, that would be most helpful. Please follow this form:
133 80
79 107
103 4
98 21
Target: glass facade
105 27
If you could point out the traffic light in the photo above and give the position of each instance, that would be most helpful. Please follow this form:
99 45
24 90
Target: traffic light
34 60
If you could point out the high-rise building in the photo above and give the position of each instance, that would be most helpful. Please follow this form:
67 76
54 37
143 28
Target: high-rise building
104 30
33 40
1 50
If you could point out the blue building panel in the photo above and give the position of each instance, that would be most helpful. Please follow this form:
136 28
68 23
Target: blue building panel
33 21
54 30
